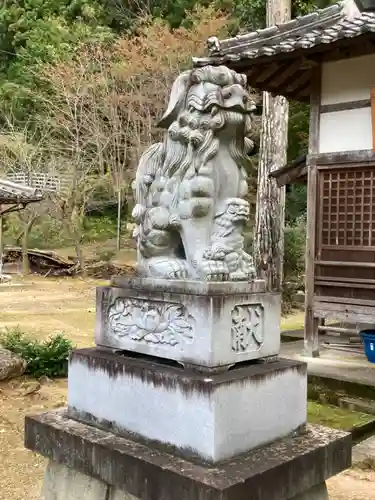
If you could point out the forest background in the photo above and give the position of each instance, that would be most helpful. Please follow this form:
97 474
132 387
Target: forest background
82 83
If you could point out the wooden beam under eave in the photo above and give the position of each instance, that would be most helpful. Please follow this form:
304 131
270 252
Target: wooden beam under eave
303 94
296 175
296 87
301 82
286 75
267 74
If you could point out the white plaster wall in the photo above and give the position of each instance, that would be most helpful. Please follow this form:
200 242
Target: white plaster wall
347 81
235 418
349 130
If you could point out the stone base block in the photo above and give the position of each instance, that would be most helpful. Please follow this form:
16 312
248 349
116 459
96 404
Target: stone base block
294 468
62 483
213 417
205 324
319 492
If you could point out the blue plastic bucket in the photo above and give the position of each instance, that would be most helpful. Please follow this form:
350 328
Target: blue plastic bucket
368 337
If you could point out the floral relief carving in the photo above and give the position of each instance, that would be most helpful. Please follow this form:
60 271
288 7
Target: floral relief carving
247 328
150 322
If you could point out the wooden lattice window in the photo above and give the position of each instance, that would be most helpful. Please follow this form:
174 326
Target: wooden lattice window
347 208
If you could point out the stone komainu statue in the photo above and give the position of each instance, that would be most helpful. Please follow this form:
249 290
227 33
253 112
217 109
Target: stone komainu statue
190 208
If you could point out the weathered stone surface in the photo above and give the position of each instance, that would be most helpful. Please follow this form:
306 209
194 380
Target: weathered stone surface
212 416
190 189
116 494
278 471
190 287
192 323
365 450
64 483
11 365
319 492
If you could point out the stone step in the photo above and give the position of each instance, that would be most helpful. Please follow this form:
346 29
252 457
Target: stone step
364 451
357 404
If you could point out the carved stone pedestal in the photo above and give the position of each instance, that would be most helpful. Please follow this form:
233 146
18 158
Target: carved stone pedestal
87 463
211 325
212 417
184 397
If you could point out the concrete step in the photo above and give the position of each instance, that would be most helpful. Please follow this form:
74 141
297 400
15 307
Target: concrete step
364 452
358 404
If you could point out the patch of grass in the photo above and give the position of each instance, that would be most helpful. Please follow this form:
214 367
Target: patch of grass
48 358
293 322
337 418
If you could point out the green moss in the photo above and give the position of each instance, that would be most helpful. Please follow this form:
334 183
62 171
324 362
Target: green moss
337 418
293 322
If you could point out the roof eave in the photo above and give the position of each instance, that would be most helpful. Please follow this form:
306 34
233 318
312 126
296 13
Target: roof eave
328 34
296 85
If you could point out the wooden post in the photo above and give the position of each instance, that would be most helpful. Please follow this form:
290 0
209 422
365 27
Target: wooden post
372 100
270 211
311 322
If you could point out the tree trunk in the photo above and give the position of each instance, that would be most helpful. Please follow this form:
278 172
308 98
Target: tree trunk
270 212
80 257
25 246
1 246
118 236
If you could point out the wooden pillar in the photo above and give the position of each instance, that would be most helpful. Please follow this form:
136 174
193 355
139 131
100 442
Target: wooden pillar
270 207
311 322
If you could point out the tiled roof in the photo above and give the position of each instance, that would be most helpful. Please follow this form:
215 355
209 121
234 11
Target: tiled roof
13 193
325 26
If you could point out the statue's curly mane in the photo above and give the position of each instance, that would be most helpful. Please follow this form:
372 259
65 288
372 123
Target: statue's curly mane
192 138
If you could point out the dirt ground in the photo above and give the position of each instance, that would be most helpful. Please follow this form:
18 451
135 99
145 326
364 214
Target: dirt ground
44 307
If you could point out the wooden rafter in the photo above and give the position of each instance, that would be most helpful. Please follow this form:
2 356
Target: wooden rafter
286 74
269 73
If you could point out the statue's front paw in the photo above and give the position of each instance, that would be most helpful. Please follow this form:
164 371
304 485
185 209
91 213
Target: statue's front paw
248 265
239 276
174 221
214 270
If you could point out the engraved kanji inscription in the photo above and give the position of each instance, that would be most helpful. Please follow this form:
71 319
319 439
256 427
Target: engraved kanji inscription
247 328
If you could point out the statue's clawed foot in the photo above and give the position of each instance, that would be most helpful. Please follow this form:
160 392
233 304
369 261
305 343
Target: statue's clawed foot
168 268
214 270
239 276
